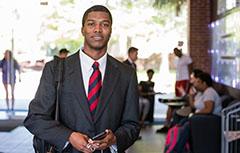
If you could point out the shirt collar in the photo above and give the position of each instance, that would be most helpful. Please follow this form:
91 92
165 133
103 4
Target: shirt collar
129 59
87 61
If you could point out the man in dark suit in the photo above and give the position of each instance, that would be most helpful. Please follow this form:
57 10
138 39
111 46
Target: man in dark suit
114 109
132 57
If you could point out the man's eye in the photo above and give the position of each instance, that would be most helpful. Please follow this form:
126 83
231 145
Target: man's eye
106 24
90 24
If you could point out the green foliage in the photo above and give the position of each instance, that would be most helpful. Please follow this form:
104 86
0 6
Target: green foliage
127 3
70 44
159 4
55 15
130 4
52 27
65 2
159 20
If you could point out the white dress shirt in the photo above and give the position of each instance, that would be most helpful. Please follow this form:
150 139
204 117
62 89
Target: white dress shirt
86 63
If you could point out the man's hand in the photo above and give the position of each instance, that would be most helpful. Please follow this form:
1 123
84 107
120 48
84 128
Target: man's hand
80 142
106 142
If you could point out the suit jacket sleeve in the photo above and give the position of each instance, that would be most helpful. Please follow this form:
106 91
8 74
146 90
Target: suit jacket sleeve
128 133
40 120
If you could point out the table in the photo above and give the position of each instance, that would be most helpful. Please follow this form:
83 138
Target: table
171 100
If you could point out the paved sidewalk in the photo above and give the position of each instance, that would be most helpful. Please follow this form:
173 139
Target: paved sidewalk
20 111
17 141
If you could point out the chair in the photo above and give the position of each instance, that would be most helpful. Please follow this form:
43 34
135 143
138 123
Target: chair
205 131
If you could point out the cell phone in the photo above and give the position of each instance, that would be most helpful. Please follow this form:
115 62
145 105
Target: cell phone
99 136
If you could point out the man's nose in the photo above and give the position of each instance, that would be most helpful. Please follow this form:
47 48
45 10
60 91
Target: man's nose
98 28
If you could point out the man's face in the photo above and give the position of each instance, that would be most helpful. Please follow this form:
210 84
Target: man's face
134 55
63 55
150 75
97 30
178 53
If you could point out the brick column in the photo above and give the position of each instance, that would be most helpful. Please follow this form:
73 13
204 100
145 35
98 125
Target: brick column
199 34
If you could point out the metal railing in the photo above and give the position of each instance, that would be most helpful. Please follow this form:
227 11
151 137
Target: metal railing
231 128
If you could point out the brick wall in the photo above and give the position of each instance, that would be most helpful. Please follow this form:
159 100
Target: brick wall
198 34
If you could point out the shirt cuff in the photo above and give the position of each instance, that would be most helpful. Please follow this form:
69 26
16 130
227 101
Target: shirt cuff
66 144
113 148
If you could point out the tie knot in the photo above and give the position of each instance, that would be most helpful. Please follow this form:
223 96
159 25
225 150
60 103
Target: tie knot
95 65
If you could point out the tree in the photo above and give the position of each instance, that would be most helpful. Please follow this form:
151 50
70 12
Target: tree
175 3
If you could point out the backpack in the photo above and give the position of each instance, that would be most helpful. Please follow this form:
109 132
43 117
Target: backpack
177 138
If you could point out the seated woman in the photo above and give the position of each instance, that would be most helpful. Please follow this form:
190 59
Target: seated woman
206 100
148 93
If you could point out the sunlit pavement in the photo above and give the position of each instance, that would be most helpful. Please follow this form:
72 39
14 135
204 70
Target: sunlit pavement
18 140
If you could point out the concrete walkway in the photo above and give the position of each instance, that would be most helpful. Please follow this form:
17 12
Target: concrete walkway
17 141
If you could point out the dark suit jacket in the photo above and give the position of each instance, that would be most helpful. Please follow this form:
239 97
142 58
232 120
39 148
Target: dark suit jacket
117 109
133 65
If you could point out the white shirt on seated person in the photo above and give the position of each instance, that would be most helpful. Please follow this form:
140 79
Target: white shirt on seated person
208 95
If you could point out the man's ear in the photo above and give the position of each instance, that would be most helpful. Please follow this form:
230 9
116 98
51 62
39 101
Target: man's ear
82 31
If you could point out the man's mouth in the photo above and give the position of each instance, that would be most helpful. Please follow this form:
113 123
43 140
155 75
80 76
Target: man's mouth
97 38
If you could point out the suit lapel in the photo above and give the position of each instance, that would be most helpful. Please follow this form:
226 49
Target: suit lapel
110 79
76 81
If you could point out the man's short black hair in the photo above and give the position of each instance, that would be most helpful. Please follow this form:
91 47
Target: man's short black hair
150 71
176 50
63 50
96 8
132 49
